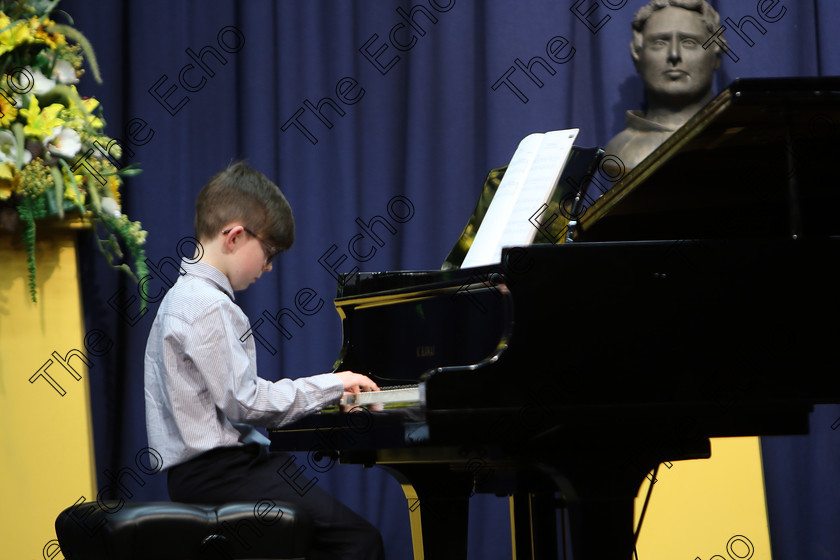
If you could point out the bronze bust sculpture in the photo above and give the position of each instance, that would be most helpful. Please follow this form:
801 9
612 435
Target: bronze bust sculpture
668 52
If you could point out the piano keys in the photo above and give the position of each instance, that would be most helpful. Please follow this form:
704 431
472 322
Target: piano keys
392 397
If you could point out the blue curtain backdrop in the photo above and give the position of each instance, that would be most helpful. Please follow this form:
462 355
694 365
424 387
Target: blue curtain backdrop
419 110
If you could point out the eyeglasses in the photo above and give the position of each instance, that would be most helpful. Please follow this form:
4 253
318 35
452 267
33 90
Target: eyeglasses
269 250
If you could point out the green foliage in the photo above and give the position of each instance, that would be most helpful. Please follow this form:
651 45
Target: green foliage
44 134
29 211
77 36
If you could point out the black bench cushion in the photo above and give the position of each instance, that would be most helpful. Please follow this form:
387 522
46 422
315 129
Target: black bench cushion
176 531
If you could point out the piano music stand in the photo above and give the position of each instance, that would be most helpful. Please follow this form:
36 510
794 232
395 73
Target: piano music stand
571 188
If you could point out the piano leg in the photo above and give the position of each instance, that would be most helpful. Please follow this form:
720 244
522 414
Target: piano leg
533 531
601 491
602 528
438 504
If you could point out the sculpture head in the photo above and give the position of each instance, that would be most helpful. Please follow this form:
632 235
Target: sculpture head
667 50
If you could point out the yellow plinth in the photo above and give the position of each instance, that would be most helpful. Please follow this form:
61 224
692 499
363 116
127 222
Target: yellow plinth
46 443
712 508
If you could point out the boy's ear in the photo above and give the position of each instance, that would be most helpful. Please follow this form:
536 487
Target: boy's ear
233 237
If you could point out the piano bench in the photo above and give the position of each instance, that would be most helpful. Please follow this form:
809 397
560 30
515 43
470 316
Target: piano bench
173 531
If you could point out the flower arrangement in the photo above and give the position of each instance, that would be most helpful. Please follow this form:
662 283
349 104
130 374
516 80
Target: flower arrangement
55 161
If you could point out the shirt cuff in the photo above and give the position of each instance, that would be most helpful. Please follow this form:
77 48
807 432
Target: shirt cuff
331 385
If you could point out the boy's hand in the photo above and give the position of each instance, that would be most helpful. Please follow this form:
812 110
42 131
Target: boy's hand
356 382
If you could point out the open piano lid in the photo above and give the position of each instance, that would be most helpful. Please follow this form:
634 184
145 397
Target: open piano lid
758 161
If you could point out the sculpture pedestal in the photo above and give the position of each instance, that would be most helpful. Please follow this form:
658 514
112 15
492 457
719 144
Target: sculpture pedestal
46 447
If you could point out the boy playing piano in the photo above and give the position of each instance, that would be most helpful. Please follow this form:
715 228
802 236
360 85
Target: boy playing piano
203 395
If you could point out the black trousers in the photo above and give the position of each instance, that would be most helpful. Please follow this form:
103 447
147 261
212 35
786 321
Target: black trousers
250 472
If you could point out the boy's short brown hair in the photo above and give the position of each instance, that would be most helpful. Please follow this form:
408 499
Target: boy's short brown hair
240 193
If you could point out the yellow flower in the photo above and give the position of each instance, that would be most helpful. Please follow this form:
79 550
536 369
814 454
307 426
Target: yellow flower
114 187
70 192
37 28
8 112
35 178
75 118
105 169
41 122
8 174
14 36
90 104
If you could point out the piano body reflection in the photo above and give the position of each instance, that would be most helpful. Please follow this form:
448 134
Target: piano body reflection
699 299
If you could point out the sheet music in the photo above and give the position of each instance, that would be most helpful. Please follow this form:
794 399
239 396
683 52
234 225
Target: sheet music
528 183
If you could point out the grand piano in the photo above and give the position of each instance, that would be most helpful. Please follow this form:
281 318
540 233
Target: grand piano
698 298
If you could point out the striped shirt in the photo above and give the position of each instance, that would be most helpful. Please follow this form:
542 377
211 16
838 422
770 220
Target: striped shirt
201 384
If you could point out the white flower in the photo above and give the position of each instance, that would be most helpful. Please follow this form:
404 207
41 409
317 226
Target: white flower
110 207
8 149
64 72
63 142
42 84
